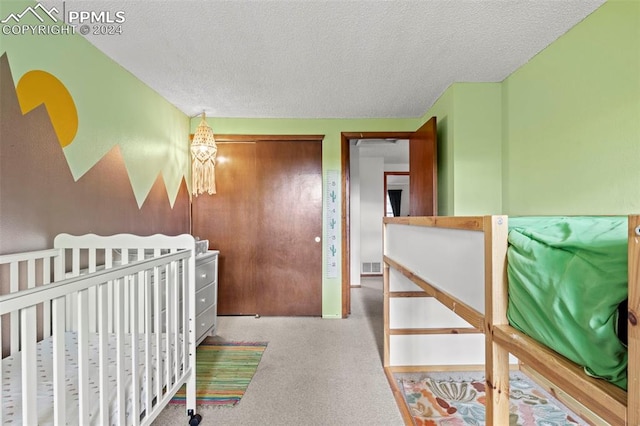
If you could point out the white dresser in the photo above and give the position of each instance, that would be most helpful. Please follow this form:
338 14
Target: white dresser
206 294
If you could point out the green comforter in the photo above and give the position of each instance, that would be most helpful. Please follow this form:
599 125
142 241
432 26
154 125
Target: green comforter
567 276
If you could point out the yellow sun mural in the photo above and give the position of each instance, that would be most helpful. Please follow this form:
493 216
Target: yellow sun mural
39 87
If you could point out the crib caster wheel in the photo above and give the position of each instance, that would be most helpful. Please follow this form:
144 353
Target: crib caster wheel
194 419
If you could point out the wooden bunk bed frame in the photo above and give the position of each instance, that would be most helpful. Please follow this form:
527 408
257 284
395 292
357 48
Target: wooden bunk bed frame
593 399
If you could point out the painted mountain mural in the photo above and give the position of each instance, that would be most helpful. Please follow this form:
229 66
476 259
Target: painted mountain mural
39 197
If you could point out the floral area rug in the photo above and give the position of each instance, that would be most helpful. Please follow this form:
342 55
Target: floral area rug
452 399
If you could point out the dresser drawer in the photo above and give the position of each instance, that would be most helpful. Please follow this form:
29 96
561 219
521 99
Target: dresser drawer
205 297
205 321
205 272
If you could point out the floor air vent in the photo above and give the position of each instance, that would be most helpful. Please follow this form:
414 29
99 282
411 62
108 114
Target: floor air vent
371 268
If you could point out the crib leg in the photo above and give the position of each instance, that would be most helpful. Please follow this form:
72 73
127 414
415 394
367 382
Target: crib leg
194 419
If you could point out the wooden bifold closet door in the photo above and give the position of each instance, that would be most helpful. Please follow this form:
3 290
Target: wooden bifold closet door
265 220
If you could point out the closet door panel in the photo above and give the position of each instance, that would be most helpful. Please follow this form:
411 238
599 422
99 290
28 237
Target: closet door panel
289 231
229 220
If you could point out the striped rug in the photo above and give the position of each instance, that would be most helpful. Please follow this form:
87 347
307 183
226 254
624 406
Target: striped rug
223 371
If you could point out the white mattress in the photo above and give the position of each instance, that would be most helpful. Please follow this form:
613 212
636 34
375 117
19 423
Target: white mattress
12 382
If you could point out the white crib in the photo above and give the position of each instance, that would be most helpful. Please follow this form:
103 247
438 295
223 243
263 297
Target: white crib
98 330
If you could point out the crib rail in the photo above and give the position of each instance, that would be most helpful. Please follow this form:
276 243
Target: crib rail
25 271
33 296
134 304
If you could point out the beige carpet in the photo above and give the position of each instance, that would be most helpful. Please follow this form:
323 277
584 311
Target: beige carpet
316 372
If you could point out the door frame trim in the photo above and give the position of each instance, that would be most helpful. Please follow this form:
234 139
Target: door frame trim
345 158
270 138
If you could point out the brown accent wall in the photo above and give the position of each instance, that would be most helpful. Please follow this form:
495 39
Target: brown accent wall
39 197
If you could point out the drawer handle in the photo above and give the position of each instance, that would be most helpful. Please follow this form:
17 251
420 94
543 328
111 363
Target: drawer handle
203 275
203 300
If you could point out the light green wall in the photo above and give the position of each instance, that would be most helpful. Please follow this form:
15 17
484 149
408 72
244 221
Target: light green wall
478 145
444 112
114 108
469 117
331 128
561 135
572 120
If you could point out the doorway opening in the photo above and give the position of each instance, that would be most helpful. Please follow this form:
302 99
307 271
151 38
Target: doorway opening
349 140
423 189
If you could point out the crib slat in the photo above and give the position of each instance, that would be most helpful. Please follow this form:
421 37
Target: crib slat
167 304
31 273
92 292
141 289
157 312
29 367
119 313
135 367
46 306
108 263
175 333
58 265
14 286
31 276
75 261
83 356
125 261
92 266
73 298
59 394
147 342
185 317
103 348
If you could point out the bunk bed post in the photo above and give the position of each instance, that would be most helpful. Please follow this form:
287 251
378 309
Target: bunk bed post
495 313
633 367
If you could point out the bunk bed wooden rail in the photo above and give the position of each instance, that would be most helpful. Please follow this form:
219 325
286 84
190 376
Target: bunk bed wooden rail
565 379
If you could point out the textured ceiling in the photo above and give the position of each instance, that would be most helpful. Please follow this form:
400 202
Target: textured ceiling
328 59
